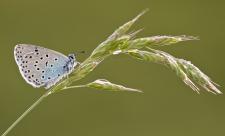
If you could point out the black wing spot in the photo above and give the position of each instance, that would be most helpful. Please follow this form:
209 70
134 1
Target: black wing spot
46 63
28 71
30 57
38 68
36 50
49 77
29 77
58 75
51 65
41 58
32 75
26 56
35 65
43 77
56 59
47 55
37 53
36 61
43 71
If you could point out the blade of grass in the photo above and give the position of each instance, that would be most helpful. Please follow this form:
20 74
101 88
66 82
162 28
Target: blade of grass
103 84
157 41
184 69
198 76
164 59
118 33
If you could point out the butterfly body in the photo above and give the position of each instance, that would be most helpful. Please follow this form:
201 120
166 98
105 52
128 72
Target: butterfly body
40 66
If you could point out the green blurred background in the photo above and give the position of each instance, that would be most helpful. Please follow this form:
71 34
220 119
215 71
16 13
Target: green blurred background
167 108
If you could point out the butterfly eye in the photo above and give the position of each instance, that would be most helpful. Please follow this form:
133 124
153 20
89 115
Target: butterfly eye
71 57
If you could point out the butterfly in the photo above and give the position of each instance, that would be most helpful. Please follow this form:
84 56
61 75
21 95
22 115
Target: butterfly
40 66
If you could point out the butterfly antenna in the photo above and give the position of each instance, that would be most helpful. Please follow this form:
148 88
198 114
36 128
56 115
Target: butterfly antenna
80 52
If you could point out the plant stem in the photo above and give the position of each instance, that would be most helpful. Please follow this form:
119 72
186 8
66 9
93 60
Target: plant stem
77 86
27 111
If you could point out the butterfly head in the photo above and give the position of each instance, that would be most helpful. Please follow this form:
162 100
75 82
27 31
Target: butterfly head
72 62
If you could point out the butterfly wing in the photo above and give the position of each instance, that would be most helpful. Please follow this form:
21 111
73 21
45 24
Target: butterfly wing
40 66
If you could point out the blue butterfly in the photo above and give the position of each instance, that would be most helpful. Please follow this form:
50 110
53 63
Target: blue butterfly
40 66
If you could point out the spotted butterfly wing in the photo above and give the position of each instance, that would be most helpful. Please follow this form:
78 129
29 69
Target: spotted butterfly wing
40 66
